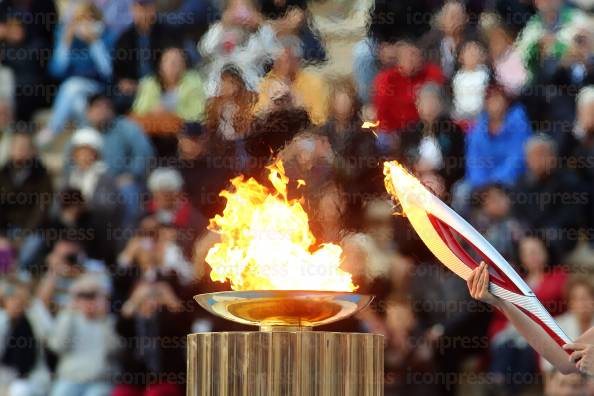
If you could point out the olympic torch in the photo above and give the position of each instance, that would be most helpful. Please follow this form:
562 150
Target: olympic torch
461 248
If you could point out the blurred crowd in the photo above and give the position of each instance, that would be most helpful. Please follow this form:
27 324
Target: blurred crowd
152 106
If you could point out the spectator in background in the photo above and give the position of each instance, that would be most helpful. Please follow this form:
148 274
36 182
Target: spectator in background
470 83
229 114
355 157
26 54
435 142
432 285
548 33
579 146
378 223
24 325
579 294
7 83
509 350
188 20
390 22
126 153
82 61
584 5
170 206
290 17
407 350
85 341
137 51
71 219
101 199
371 256
272 129
243 38
361 259
152 366
506 59
552 100
26 32
152 254
308 157
396 88
7 256
495 222
544 277
26 189
328 206
6 129
549 200
89 174
344 119
171 97
580 304
66 262
284 108
443 44
288 78
116 13
41 17
204 171
495 149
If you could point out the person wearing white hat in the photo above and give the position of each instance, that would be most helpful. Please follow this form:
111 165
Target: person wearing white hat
170 207
165 179
89 174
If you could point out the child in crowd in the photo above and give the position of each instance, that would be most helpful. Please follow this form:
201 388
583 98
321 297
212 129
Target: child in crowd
469 84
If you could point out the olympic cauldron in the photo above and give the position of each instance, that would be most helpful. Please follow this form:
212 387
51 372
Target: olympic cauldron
267 252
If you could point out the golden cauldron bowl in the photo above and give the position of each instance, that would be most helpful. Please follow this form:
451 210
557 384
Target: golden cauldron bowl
283 309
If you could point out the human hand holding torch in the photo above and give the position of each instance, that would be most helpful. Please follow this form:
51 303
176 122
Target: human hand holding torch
582 358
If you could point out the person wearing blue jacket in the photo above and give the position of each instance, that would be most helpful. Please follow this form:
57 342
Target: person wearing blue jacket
82 61
495 145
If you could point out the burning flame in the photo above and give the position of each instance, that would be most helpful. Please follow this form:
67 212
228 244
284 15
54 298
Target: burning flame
266 243
370 124
409 183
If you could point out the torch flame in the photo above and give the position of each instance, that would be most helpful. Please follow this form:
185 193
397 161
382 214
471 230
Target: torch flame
415 190
370 124
266 243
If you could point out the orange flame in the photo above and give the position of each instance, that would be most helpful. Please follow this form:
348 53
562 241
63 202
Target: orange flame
370 124
266 243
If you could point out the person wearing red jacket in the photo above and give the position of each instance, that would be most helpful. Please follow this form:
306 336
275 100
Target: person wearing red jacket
395 89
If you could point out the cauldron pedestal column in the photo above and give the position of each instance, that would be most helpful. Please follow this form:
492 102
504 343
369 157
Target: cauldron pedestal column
285 363
284 358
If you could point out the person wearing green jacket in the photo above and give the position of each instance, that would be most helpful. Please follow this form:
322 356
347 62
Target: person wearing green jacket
173 90
549 32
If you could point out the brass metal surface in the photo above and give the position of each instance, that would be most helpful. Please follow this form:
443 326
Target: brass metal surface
275 309
285 363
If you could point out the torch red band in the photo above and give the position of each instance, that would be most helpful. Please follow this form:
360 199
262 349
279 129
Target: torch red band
451 238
